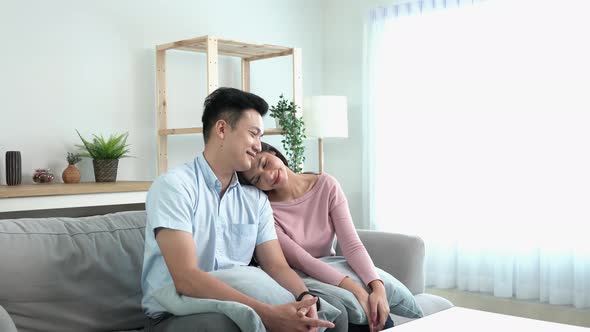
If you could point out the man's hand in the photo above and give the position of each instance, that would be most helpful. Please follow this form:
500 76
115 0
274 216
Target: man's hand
271 259
310 312
378 306
296 316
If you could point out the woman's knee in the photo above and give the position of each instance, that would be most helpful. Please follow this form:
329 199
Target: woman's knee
341 321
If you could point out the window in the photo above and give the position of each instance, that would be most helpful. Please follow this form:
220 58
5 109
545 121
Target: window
480 116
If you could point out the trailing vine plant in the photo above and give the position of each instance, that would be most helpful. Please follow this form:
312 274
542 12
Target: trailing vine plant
286 113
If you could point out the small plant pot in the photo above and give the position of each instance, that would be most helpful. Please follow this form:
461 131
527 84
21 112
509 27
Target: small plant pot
105 170
71 174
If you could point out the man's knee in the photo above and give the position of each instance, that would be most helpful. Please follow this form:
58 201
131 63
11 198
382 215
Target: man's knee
207 322
219 323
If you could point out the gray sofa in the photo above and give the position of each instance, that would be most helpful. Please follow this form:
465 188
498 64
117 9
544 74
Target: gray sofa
83 274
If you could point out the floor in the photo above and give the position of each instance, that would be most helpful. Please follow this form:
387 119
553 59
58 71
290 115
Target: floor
534 310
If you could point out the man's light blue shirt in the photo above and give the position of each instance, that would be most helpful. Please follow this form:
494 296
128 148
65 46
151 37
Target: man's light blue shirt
225 229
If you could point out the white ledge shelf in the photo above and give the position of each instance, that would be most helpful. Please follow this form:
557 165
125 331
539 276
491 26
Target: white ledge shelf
58 196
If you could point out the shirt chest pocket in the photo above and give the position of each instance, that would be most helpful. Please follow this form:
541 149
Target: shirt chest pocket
243 242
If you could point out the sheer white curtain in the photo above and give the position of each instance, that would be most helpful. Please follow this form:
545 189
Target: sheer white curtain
477 123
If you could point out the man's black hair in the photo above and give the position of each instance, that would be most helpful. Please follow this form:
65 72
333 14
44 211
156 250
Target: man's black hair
229 104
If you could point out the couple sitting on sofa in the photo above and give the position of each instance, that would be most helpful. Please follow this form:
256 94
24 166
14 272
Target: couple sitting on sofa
200 219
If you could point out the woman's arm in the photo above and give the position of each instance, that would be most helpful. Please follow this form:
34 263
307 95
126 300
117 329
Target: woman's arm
375 304
301 260
353 249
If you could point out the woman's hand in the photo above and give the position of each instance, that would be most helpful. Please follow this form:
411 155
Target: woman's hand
363 297
359 293
374 305
378 306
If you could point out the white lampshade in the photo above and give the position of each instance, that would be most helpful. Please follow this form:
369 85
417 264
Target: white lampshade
325 116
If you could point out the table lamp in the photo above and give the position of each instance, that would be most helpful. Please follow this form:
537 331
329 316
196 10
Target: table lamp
325 116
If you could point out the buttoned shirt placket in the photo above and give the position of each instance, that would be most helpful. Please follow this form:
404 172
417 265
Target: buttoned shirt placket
220 225
219 228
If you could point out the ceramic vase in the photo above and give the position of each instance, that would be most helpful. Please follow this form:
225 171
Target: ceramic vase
71 174
14 174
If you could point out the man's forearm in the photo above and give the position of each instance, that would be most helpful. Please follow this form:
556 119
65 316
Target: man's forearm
287 278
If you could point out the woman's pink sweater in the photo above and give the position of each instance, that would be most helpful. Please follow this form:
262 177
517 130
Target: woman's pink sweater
306 227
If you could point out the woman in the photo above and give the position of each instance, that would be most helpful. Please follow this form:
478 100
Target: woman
309 210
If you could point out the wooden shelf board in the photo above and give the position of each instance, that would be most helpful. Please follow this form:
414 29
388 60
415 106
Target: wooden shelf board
32 190
198 130
268 55
180 131
273 131
229 47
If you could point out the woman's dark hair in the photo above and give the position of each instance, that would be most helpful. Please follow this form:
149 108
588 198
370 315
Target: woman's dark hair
265 148
229 104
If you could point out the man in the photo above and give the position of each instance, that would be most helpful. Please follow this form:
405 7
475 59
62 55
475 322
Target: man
200 219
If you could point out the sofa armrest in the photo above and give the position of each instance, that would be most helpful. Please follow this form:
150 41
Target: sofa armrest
400 255
6 323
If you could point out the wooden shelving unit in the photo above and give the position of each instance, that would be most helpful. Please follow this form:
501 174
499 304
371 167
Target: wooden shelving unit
33 190
214 47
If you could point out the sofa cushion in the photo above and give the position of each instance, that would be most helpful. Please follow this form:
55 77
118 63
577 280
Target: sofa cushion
249 280
6 323
73 274
429 303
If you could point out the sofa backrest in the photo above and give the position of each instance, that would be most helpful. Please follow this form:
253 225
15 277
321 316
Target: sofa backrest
73 274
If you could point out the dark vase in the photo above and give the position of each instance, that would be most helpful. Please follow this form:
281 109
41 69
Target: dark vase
14 174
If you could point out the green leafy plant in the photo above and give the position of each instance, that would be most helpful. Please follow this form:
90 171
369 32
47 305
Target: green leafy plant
286 113
73 158
115 147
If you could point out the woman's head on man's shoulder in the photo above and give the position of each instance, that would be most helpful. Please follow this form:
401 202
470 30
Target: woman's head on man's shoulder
270 169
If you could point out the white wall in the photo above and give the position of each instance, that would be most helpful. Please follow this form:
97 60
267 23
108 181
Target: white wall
343 54
343 60
90 65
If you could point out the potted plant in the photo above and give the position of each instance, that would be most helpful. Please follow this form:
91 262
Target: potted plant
72 174
105 154
285 112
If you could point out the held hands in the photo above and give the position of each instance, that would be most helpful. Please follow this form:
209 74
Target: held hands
310 312
363 297
378 306
296 316
374 305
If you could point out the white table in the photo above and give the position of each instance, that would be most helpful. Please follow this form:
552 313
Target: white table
459 319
